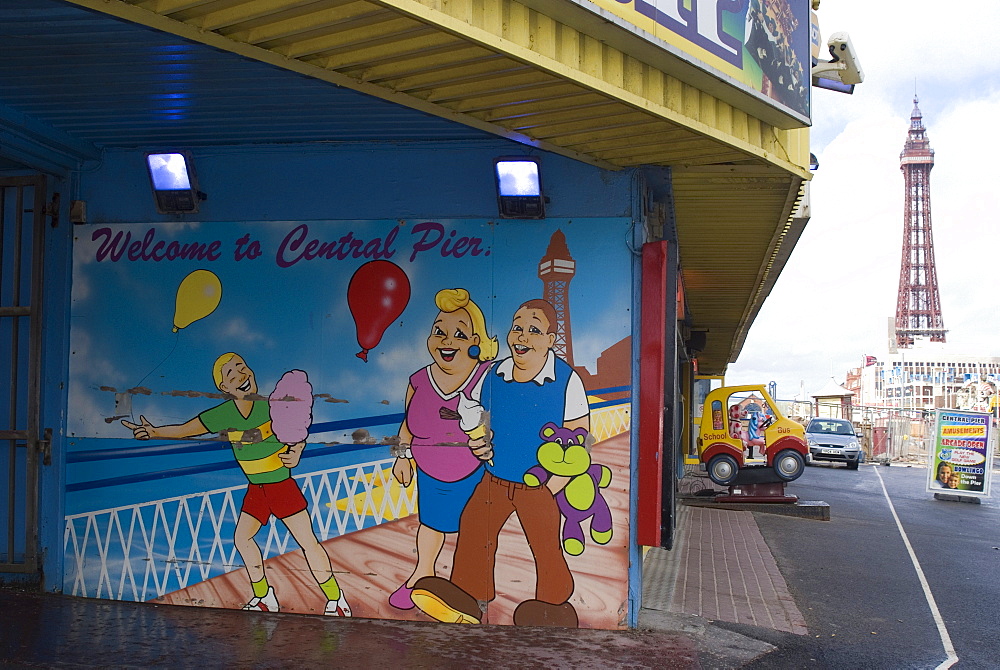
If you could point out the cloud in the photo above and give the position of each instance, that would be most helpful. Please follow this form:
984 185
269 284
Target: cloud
395 365
88 409
927 41
90 370
238 332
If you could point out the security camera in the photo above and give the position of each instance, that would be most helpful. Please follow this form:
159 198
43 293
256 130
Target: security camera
842 51
843 71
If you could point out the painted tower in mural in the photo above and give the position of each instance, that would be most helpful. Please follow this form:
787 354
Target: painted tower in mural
556 270
918 303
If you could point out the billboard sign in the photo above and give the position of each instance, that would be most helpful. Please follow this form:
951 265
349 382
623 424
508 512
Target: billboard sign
761 47
961 459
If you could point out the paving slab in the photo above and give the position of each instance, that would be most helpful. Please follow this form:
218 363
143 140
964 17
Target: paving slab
720 569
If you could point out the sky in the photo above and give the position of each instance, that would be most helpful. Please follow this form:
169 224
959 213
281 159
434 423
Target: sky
839 287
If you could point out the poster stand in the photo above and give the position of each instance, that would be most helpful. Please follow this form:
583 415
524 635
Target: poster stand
960 460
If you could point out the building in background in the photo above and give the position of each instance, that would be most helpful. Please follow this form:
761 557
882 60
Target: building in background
896 392
833 401
556 270
917 372
926 377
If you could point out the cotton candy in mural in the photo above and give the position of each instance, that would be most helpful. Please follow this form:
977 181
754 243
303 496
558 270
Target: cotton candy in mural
291 407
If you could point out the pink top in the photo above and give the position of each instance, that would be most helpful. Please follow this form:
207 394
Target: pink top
439 445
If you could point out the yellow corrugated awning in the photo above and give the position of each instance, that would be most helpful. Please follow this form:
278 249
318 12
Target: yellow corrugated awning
730 255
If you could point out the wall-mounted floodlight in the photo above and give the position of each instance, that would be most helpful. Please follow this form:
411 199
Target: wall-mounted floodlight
519 188
175 188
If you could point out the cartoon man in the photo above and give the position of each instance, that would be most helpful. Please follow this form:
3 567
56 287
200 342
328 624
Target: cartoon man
523 393
266 462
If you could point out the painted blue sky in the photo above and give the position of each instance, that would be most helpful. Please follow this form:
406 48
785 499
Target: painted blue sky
282 318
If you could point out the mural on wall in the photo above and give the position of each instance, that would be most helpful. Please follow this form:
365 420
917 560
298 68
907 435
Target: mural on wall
383 419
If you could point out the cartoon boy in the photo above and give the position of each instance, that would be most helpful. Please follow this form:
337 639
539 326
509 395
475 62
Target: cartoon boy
266 462
523 393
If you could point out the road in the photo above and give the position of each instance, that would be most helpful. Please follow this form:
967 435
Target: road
855 583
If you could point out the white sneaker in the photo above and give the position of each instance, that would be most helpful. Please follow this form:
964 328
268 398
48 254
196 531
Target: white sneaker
338 607
269 603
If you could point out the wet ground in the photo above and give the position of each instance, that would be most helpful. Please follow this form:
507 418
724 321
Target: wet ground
54 631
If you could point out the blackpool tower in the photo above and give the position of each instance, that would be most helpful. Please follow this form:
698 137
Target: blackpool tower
918 303
556 270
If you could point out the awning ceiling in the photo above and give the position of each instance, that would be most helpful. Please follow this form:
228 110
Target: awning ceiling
110 73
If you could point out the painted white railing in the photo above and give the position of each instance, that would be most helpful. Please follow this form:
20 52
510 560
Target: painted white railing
139 552
143 551
610 421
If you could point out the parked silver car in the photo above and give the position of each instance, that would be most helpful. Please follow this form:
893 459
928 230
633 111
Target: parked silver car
834 440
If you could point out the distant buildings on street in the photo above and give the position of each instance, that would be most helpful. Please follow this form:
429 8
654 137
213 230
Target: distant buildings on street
926 377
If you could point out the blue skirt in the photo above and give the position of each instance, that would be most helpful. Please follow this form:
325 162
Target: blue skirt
440 504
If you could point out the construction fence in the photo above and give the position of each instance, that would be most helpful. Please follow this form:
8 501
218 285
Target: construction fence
898 434
895 435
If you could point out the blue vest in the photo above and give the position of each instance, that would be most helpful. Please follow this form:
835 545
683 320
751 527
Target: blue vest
518 410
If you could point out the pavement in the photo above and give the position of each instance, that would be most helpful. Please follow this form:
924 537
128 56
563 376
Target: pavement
720 571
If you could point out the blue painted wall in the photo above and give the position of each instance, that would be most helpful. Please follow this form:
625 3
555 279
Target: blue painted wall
353 181
321 183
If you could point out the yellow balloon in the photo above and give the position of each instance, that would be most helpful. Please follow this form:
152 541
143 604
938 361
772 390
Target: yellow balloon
197 297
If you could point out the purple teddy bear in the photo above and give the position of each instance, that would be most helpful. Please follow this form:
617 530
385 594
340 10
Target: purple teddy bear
563 453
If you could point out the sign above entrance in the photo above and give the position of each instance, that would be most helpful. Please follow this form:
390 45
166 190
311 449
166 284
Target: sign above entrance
759 48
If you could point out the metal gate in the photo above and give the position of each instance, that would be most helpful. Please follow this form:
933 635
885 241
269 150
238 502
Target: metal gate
22 217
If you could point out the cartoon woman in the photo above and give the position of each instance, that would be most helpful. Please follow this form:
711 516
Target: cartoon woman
447 470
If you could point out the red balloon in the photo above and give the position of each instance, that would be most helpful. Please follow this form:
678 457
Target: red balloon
377 294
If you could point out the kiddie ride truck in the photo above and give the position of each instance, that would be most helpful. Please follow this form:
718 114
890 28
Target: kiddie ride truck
746 444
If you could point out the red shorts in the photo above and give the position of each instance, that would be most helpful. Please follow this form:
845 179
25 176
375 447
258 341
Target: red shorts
282 499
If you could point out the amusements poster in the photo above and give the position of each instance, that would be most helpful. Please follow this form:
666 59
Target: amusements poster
961 459
215 363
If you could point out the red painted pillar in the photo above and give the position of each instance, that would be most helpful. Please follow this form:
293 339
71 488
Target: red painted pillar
651 392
